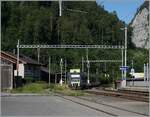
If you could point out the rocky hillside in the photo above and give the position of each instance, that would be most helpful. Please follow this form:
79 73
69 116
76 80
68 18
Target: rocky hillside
140 26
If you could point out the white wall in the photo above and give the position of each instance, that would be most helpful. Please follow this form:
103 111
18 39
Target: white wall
137 83
21 70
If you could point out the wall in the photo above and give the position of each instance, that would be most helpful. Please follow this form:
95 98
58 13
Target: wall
32 71
6 76
21 70
137 83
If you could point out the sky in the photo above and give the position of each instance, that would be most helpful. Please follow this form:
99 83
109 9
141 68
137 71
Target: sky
125 9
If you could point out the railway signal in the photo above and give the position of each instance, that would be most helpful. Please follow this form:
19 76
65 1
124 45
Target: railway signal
61 65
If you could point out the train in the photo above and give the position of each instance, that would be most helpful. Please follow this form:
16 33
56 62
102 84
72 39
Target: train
78 80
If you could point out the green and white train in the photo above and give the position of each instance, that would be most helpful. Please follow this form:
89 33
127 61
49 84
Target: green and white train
77 79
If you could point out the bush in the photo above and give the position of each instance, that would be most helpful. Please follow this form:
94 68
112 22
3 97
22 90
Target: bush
38 87
29 79
61 88
64 89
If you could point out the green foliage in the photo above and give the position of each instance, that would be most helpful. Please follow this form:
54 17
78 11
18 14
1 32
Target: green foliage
139 57
29 79
39 23
38 87
65 90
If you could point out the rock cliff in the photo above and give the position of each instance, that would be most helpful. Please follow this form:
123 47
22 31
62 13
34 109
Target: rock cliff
140 26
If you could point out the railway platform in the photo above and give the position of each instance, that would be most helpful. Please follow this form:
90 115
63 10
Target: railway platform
136 88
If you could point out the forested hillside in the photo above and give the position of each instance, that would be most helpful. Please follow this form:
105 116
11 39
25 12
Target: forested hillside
40 23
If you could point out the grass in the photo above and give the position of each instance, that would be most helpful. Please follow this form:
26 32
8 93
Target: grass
38 87
44 88
65 90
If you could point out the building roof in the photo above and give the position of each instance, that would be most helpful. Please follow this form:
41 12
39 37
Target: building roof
44 69
22 58
29 60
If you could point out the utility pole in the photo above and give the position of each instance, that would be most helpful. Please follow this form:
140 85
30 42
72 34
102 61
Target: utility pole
96 74
125 74
61 65
122 63
38 50
149 50
55 78
132 71
18 58
14 51
132 64
144 72
60 7
147 67
49 70
88 66
105 67
82 64
149 41
60 13
87 54
125 58
65 72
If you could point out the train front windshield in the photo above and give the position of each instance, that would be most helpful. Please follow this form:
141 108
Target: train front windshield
75 79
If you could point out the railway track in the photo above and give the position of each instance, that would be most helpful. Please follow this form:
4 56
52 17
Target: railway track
122 94
142 93
101 107
113 106
89 106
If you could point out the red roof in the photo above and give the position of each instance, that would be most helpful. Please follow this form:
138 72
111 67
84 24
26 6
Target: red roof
13 58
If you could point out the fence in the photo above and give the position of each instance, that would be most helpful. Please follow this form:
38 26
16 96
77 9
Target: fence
6 77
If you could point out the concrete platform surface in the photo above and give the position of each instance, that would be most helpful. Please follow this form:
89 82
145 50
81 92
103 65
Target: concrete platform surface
144 89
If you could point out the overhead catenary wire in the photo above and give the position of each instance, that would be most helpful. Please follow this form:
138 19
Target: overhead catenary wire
75 10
